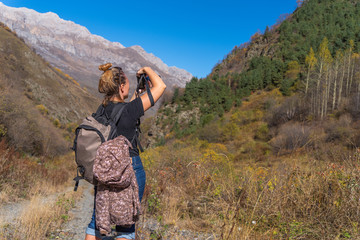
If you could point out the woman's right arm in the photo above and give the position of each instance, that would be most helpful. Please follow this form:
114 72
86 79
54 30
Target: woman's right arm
157 89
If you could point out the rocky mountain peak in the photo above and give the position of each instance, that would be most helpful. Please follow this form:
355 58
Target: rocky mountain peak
73 49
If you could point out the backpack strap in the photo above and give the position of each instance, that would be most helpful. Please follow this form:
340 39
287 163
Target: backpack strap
114 118
77 179
117 111
136 139
100 111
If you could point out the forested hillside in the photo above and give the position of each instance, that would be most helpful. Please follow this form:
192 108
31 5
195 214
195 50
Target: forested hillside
267 145
313 53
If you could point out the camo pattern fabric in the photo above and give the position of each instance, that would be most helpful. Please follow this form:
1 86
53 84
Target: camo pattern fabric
117 198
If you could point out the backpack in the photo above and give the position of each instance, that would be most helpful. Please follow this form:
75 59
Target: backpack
89 135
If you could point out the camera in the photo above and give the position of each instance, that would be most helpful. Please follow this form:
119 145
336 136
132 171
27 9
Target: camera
141 81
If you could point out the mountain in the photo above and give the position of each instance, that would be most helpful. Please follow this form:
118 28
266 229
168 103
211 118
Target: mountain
312 55
291 38
73 49
39 104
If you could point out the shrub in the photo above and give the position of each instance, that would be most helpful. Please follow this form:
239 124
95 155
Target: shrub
291 109
26 170
339 131
262 133
205 119
354 106
57 123
211 133
3 130
44 111
291 137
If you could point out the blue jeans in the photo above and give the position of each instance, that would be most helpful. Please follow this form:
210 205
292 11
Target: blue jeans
128 233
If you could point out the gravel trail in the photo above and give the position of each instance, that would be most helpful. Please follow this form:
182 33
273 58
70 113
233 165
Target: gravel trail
80 216
147 228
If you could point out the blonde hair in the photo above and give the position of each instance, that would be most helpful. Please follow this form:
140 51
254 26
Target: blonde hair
110 81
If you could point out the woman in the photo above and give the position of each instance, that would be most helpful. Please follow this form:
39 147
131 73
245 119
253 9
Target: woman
115 85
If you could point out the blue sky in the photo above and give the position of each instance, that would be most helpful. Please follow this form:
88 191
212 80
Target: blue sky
193 35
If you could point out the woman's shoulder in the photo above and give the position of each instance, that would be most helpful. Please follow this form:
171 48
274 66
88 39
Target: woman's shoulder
135 107
135 103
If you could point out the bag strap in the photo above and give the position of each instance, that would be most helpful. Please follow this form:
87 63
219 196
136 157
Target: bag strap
77 179
114 118
100 111
136 139
117 111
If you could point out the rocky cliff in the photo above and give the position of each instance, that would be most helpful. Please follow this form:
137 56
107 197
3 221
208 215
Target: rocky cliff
77 52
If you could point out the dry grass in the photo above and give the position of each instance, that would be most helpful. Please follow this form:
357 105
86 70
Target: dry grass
36 179
237 186
42 215
39 180
23 176
298 197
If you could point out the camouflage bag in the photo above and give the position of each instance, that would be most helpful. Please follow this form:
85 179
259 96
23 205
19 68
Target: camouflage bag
117 198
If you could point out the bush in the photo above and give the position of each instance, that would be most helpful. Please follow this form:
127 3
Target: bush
57 123
354 106
291 137
44 111
339 131
291 109
262 133
211 133
3 130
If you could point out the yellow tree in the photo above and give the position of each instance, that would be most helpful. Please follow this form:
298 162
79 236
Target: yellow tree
310 62
324 59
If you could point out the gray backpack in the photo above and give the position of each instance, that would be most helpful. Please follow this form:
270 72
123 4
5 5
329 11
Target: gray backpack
91 133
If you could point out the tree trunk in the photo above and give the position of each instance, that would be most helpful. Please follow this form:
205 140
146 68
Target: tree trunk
348 76
307 81
335 85
318 94
341 83
351 76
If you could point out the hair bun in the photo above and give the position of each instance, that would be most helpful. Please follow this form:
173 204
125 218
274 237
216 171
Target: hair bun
105 67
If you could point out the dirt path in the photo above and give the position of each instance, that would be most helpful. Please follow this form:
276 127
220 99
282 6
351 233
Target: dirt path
10 212
80 216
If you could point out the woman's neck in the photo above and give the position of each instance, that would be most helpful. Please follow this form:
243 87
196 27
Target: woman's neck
116 99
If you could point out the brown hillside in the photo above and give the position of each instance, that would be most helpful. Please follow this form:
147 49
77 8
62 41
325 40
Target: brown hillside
38 102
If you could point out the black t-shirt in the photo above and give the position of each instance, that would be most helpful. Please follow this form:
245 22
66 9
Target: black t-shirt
127 123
